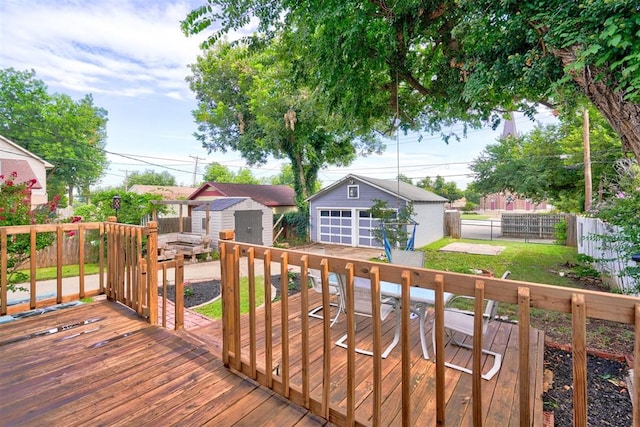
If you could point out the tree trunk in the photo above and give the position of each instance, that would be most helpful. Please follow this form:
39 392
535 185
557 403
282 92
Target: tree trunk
70 194
622 115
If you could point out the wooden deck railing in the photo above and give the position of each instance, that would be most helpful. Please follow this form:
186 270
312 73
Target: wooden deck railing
80 231
127 254
164 267
580 304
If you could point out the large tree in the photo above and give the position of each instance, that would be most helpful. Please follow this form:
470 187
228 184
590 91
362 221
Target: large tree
548 162
249 102
67 133
431 62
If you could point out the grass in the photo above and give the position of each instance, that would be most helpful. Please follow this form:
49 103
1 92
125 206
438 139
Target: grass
214 310
476 216
529 262
48 273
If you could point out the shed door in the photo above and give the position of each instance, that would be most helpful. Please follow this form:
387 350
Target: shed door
248 227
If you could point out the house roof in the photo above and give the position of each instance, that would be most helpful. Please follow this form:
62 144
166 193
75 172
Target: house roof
268 195
404 190
21 168
221 204
168 192
18 150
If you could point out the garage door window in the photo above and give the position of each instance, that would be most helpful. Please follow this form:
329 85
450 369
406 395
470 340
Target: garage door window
335 226
366 225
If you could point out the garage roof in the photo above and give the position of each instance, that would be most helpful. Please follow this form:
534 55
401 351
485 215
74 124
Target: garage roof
404 190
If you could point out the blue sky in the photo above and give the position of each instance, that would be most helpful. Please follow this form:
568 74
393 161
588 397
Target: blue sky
132 57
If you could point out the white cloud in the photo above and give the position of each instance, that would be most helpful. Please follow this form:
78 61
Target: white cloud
120 47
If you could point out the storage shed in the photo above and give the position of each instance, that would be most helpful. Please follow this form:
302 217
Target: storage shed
339 214
251 221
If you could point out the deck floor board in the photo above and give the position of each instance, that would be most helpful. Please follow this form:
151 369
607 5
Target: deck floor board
118 370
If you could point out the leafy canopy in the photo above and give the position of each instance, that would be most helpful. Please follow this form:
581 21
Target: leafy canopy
150 177
250 102
69 134
424 63
548 162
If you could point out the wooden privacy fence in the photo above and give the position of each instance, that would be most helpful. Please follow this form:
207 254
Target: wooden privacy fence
80 231
537 226
453 224
608 256
243 357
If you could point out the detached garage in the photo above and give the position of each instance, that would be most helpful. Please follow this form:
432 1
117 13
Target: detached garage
339 214
251 221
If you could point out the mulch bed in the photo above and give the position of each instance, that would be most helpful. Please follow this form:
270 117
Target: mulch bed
608 401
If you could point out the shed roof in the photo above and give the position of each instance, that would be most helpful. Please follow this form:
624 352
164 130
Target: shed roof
403 189
221 204
268 195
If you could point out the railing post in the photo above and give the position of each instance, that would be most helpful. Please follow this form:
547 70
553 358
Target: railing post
152 265
579 320
179 305
226 265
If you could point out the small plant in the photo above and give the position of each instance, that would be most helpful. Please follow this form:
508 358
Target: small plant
187 290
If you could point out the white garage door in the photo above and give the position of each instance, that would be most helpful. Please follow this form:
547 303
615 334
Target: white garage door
366 225
336 226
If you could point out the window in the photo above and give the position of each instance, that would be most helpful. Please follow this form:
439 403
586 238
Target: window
353 192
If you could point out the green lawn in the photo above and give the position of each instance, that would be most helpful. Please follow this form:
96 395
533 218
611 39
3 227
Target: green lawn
530 262
475 216
48 273
214 310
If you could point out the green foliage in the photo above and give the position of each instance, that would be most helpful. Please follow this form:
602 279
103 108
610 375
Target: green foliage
548 162
69 134
150 177
561 232
421 64
448 190
249 101
396 223
217 172
619 208
15 209
469 207
133 207
298 222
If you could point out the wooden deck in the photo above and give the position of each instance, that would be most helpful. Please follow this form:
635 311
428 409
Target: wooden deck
100 364
500 395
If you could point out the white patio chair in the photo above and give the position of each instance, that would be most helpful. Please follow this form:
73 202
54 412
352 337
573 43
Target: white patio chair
414 259
334 291
461 321
362 307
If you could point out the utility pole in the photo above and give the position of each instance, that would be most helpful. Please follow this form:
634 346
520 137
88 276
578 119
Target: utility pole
195 170
126 179
588 189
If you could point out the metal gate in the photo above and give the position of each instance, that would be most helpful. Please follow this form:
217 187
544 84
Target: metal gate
248 227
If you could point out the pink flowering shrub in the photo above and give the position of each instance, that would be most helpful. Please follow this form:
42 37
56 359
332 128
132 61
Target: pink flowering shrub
15 209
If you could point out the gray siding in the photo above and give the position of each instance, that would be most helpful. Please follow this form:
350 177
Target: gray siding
224 220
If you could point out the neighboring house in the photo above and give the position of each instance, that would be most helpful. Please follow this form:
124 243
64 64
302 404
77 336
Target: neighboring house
280 198
28 166
340 213
251 221
510 202
168 192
